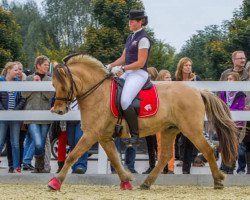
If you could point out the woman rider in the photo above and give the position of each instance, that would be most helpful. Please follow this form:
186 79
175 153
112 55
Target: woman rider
134 60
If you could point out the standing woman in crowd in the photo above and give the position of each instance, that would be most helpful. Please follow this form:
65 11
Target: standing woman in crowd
151 139
11 100
165 75
39 101
187 150
21 76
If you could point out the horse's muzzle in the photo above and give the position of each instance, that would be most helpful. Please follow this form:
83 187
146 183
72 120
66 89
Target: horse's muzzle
60 112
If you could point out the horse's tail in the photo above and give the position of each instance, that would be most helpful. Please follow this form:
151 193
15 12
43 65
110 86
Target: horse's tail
218 114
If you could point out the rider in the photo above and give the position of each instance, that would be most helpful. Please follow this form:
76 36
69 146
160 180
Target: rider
134 60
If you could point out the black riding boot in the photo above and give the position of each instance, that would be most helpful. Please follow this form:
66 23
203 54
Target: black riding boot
132 121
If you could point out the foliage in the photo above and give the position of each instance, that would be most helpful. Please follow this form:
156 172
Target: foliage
36 32
10 40
238 36
105 44
113 13
161 56
105 38
246 9
206 51
68 19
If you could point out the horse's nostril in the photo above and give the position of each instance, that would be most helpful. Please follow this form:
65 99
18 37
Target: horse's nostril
60 112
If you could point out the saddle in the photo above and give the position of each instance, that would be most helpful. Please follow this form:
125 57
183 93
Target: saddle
146 102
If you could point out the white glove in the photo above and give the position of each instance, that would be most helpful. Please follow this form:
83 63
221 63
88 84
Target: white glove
109 68
116 69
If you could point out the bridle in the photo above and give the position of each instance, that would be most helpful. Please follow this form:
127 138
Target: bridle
70 97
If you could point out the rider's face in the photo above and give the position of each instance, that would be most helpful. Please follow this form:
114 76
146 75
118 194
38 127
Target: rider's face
135 25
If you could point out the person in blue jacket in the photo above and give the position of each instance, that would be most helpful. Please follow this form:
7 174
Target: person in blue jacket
11 100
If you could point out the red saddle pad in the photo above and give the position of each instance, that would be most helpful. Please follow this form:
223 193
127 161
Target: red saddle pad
149 102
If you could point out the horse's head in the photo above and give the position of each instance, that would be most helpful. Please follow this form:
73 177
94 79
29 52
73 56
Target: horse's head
64 85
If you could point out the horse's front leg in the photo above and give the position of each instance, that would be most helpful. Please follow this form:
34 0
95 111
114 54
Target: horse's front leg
111 151
83 145
167 140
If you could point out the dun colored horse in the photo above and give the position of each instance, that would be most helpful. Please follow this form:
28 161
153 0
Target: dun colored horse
181 109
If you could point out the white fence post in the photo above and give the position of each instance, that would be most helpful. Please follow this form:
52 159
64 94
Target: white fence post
102 167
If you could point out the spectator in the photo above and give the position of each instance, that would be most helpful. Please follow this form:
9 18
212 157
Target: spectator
11 100
38 130
74 133
187 150
235 100
21 76
153 73
239 61
151 139
165 75
246 140
28 152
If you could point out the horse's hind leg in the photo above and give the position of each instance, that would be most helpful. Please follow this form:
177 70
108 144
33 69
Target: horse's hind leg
167 139
111 151
83 145
195 135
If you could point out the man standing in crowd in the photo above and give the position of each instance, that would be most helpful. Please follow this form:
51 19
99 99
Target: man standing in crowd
239 61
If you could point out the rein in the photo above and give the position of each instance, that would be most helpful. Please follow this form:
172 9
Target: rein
69 99
92 89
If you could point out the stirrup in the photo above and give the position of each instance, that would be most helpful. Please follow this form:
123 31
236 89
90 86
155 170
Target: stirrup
133 141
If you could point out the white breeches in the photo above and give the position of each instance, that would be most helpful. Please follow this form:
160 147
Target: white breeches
134 81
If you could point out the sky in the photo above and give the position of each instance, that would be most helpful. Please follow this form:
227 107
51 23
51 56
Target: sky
175 21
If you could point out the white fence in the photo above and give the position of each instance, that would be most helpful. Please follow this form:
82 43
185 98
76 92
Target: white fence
75 115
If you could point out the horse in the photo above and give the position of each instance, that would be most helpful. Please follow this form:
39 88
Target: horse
181 109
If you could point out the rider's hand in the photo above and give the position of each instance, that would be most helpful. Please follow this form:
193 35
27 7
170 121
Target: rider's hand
117 70
109 68
52 109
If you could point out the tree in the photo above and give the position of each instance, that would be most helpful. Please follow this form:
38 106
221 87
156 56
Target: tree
246 9
36 32
161 55
10 40
239 30
105 37
200 47
68 19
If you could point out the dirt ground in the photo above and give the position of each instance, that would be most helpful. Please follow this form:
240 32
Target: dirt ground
86 192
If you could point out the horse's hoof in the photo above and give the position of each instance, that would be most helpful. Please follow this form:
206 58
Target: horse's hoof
218 186
54 184
126 185
144 186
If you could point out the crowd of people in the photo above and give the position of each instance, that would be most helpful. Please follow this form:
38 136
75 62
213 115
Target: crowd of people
29 139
